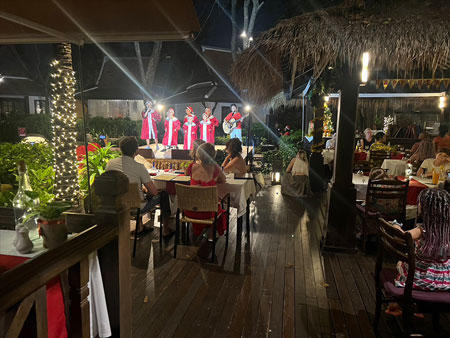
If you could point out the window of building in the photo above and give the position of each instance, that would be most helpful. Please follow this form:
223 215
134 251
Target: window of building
12 106
40 107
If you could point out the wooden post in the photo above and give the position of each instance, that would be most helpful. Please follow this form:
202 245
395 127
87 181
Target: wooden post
317 173
115 258
342 198
79 321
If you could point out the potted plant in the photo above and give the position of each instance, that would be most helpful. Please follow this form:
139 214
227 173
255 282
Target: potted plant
52 223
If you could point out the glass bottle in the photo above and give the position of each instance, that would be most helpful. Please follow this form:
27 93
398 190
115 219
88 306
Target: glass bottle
24 204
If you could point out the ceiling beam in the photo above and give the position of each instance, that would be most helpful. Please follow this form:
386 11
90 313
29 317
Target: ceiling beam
38 27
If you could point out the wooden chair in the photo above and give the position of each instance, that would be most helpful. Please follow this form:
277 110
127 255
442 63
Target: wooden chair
384 198
399 246
377 157
202 199
132 199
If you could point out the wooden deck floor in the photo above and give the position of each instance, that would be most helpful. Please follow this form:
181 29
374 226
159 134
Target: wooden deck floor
275 283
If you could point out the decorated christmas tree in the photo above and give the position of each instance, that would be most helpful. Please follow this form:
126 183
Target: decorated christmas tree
327 123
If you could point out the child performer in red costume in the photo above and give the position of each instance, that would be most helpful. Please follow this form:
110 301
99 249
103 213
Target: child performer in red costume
171 127
190 112
214 123
190 132
206 129
149 130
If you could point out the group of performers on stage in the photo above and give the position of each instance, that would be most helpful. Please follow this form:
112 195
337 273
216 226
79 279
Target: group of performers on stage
192 126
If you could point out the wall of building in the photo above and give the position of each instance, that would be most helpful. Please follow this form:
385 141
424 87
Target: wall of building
116 108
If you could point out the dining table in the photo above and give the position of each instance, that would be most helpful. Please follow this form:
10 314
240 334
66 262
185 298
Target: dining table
416 185
56 318
241 190
394 167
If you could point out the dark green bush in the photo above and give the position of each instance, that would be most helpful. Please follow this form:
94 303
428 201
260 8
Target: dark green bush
114 128
36 157
34 124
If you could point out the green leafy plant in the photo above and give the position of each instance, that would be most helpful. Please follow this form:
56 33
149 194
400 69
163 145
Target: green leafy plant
6 198
37 156
97 165
42 180
288 148
50 211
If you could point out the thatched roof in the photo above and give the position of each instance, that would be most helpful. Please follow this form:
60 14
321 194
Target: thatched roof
408 36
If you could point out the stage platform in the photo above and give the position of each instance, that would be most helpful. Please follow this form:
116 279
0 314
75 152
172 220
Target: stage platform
162 154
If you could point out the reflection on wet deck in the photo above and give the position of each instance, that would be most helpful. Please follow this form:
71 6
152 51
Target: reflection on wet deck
274 283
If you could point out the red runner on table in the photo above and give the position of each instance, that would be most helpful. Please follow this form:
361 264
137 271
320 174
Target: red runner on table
415 187
56 318
360 156
396 156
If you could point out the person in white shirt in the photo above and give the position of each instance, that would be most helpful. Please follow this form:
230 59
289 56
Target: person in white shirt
137 173
331 143
296 179
441 160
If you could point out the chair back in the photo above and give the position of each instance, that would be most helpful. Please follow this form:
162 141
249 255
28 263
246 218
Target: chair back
377 157
197 198
399 246
132 198
388 198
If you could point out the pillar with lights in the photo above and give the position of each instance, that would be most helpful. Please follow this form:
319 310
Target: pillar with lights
63 115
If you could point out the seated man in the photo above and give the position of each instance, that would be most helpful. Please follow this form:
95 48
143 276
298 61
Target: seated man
137 173
441 162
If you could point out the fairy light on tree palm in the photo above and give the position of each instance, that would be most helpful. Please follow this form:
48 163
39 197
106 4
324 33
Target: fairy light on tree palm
63 126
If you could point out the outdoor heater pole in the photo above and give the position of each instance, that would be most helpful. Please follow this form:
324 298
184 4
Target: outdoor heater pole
84 130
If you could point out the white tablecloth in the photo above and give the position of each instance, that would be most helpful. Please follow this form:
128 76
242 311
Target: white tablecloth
328 156
240 191
361 183
394 167
97 301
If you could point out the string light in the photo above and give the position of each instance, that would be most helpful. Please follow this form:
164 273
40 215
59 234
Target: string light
365 68
64 127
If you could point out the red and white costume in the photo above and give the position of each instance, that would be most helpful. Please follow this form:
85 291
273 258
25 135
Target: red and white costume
171 127
207 129
190 134
149 129
195 119
214 124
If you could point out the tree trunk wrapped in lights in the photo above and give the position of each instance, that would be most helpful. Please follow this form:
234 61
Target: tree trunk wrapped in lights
63 126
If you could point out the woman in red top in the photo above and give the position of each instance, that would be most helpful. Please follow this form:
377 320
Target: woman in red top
443 140
206 173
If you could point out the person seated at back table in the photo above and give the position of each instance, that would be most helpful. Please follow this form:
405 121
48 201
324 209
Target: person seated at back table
422 150
206 173
137 173
380 143
234 163
443 139
441 160
295 182
368 140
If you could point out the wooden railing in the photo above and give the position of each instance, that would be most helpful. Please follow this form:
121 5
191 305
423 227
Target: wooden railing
23 289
